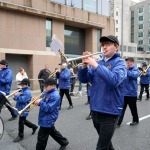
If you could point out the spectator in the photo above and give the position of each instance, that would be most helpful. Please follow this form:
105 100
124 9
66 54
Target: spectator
20 76
43 75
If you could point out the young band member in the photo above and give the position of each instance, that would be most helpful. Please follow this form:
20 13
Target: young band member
5 86
107 92
22 100
144 82
48 114
131 91
64 83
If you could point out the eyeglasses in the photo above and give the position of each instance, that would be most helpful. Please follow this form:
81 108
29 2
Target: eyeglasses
106 44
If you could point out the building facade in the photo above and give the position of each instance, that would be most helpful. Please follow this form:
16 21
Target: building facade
26 28
140 29
120 11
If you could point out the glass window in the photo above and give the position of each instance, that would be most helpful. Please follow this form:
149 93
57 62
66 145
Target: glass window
48 32
116 21
99 34
149 33
59 1
74 40
141 10
140 34
116 13
140 26
90 5
140 42
140 18
99 6
105 7
75 3
131 49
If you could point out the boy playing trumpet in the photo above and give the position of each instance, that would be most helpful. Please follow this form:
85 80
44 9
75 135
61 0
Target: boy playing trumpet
22 100
49 104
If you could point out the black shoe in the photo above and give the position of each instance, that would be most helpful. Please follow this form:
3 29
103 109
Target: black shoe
147 98
64 147
86 103
34 129
18 139
133 123
89 117
70 107
12 118
139 99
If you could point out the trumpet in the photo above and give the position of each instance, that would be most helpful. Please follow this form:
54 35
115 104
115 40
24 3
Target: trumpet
29 105
73 60
13 93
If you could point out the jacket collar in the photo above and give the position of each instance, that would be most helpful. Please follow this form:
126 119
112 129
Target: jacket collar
113 57
54 89
26 88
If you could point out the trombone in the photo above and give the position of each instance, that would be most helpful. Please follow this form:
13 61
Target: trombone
31 105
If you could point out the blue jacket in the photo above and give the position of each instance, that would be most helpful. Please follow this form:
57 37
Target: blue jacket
5 80
131 86
64 79
23 99
144 79
49 108
107 91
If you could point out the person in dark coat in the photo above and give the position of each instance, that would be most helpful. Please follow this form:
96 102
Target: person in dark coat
43 75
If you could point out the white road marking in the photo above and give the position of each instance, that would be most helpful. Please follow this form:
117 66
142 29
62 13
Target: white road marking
140 119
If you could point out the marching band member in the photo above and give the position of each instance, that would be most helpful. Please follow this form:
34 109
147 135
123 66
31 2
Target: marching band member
5 86
131 91
48 114
64 83
144 82
107 91
22 100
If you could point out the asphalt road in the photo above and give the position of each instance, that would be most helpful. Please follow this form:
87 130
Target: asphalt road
80 132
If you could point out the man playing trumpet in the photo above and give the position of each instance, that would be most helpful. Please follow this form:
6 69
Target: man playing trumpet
107 90
22 100
49 104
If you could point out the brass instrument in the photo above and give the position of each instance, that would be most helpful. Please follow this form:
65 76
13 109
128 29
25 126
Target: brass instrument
73 60
144 70
31 105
